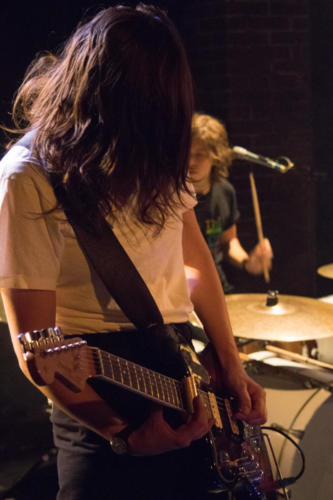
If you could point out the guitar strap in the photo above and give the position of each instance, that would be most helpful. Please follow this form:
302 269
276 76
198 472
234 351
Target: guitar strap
114 267
119 275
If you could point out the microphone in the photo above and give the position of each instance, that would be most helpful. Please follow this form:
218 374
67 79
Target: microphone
283 164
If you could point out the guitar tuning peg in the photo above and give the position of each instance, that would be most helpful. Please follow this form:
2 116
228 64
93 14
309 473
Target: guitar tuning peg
57 331
25 341
36 334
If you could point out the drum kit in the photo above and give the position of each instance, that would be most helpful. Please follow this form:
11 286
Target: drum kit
286 345
297 380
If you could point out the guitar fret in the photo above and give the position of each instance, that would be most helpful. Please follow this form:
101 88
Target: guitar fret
149 385
125 372
167 389
181 395
170 392
118 370
155 385
110 366
159 386
163 388
174 394
142 379
134 378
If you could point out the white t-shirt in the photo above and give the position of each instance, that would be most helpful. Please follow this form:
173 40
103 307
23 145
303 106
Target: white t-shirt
41 252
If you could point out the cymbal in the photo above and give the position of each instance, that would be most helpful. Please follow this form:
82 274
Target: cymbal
326 271
2 313
289 319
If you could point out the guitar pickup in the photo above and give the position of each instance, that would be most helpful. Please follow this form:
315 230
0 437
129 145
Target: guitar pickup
215 410
233 424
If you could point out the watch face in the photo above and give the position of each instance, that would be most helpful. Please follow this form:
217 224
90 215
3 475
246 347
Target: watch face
118 445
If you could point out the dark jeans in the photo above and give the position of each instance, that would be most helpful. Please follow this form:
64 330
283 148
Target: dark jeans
87 467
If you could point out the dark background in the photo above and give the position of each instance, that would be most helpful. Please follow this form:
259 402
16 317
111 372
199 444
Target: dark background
265 68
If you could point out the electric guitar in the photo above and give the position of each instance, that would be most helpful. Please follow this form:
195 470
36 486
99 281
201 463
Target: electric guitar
235 453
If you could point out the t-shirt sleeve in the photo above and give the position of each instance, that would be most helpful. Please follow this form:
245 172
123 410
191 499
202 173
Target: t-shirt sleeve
31 242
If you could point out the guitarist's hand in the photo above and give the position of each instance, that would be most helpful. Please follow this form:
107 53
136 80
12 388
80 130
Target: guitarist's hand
250 395
156 436
233 379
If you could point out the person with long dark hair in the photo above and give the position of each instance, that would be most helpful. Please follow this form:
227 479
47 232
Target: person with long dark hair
106 128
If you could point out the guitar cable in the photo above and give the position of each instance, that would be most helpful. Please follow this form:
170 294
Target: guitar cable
287 481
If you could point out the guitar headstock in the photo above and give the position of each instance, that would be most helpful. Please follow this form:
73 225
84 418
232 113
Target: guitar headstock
38 340
50 355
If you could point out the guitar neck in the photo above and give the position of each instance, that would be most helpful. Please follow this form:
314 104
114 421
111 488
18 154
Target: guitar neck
165 390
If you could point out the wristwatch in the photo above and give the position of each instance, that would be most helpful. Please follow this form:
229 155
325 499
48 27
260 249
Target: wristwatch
118 442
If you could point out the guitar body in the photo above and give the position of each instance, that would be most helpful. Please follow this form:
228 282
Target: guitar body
232 457
235 455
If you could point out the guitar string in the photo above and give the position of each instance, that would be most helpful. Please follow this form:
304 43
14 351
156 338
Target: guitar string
93 357
173 383
157 384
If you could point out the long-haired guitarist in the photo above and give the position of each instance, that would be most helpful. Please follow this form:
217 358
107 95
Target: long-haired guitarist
109 126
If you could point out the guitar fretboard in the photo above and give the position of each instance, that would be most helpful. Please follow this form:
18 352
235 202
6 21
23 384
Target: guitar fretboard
140 379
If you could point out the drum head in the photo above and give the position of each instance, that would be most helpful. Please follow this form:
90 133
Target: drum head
305 413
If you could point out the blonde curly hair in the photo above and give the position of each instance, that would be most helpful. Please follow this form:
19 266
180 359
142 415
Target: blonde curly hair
213 134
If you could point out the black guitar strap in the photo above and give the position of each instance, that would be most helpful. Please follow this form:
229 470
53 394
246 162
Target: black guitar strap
119 275
114 267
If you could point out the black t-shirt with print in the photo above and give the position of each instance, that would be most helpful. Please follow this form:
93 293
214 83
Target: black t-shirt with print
217 211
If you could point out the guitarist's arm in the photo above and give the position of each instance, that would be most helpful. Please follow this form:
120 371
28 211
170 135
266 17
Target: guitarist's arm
209 302
28 310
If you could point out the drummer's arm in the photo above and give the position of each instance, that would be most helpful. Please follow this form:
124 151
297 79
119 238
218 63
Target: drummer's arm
210 306
256 261
28 310
232 248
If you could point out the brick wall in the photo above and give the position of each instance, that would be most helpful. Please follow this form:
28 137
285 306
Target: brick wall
265 68
252 65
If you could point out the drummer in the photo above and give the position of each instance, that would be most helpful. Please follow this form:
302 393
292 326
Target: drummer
217 210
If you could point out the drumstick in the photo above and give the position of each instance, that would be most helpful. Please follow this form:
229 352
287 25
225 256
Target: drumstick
298 357
257 217
244 357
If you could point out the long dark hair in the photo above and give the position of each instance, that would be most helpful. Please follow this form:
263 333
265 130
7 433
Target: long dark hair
112 114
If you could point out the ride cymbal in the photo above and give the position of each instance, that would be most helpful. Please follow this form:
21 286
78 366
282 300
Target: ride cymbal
326 271
2 312
274 317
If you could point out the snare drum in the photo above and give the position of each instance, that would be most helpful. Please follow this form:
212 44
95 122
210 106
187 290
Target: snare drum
303 411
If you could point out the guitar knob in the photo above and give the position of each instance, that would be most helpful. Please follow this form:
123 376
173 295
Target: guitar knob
224 456
245 460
